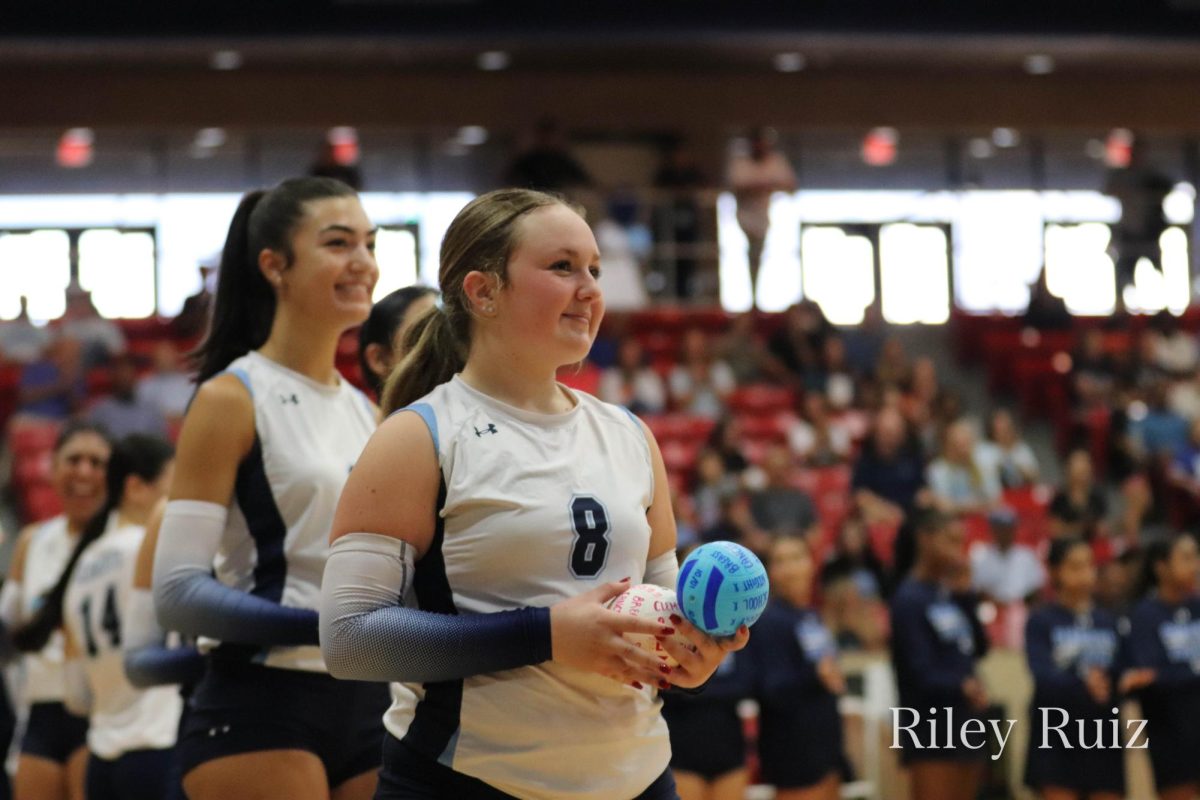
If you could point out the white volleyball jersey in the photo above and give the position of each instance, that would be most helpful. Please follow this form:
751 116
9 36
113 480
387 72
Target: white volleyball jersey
123 718
308 436
49 549
535 508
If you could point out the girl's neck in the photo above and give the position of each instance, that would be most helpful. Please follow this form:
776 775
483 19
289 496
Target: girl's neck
515 382
1078 603
308 349
924 571
133 514
1172 595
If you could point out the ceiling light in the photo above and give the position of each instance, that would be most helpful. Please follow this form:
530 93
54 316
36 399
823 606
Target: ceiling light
980 147
472 135
1039 64
789 62
226 60
493 60
1006 137
209 138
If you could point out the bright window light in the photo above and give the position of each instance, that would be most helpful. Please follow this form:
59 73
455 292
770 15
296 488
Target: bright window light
779 276
1079 269
1179 207
396 254
914 274
117 267
734 271
1152 291
998 251
37 265
838 272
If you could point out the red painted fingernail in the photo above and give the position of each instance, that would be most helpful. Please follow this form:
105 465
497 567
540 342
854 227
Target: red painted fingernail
676 619
668 631
624 580
664 685
664 669
636 685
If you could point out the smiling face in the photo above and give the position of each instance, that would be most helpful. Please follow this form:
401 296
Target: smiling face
78 476
333 270
551 303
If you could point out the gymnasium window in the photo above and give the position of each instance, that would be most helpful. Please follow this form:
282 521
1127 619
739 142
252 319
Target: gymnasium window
397 256
36 264
118 268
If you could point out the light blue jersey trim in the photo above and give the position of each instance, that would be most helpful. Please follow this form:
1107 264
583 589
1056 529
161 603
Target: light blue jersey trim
637 424
426 412
244 377
446 759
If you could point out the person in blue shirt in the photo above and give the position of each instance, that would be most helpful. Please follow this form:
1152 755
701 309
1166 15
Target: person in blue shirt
1164 649
1072 648
935 646
797 682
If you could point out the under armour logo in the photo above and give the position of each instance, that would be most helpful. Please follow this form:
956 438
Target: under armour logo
491 428
289 398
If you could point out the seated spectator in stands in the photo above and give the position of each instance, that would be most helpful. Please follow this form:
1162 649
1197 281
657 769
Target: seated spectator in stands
52 387
1079 507
796 347
1093 370
547 165
779 507
123 412
742 349
100 338
893 368
167 388
22 342
726 440
631 382
839 380
192 319
1003 570
958 481
736 524
889 475
854 561
700 383
816 439
1175 350
1007 453
687 530
1138 519
1184 397
714 484
1138 369
1158 432
1047 311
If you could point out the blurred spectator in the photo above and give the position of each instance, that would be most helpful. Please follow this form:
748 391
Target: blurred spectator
677 216
838 379
1157 432
1002 570
622 280
890 473
854 561
700 383
726 439
1138 518
1047 311
1007 453
22 342
1116 580
631 382
1139 369
99 338
167 388
53 386
1093 371
1184 397
714 485
893 368
192 319
816 439
687 532
329 165
779 507
1079 507
547 165
755 174
1141 191
1175 350
736 524
797 347
959 482
122 412
742 349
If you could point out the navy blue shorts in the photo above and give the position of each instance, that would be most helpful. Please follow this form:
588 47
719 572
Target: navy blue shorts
137 775
407 775
245 708
800 743
53 733
1077 769
707 739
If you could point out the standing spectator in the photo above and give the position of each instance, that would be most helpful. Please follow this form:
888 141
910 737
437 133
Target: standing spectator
1079 507
1141 189
677 215
1046 311
632 382
1006 453
700 383
168 388
123 412
1002 570
959 482
52 386
547 165
192 319
754 176
100 338
779 507
890 473
796 348
22 342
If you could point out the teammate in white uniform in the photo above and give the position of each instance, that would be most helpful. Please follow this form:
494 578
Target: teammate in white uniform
130 731
504 512
263 454
53 756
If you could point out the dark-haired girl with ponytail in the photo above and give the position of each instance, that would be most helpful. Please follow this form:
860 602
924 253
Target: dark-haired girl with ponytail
381 337
130 732
1072 648
52 758
264 451
1164 650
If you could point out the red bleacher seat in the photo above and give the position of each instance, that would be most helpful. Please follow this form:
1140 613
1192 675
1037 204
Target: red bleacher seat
32 436
40 502
35 467
761 398
679 455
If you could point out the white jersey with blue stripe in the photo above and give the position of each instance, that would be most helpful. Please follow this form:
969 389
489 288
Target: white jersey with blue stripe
50 547
123 718
276 540
534 508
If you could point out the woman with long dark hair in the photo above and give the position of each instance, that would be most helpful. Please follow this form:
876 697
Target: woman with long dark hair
381 337
265 449
53 758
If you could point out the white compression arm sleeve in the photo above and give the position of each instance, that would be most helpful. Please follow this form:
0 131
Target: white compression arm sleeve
663 570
